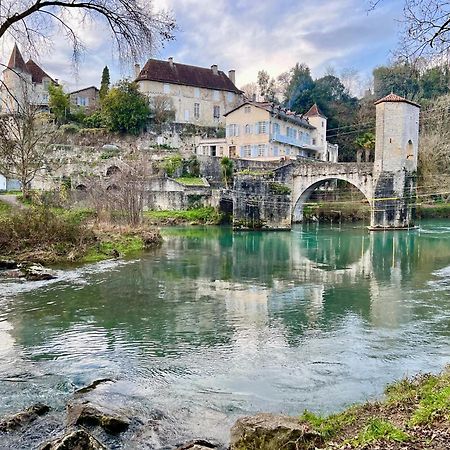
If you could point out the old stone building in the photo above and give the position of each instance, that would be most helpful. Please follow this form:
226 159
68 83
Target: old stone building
24 82
267 131
86 98
198 95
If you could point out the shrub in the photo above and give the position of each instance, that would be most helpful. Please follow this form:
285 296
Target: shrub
38 229
70 128
94 120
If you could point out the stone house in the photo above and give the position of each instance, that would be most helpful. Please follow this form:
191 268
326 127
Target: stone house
267 131
24 82
86 98
199 95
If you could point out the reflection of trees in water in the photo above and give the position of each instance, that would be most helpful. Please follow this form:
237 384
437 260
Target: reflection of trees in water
192 291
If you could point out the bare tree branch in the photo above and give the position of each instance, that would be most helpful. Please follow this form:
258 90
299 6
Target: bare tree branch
135 28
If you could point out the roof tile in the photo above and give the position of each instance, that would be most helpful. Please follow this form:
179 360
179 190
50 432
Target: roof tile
175 73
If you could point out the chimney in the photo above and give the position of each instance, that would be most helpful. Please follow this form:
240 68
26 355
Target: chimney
56 81
214 69
137 70
171 61
232 76
254 97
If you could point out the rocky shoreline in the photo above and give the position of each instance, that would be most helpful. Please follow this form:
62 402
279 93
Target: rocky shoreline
414 415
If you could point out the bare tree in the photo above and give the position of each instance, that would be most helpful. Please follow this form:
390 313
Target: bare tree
162 109
121 195
136 29
251 91
434 154
25 134
426 27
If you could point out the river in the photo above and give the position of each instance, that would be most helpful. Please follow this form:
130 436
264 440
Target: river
214 325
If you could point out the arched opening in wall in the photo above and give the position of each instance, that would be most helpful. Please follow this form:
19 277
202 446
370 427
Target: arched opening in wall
410 150
81 188
112 170
331 200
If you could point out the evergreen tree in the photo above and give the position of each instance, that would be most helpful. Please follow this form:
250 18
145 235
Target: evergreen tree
104 85
125 109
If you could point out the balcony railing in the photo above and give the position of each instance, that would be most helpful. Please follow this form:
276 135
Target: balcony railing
303 143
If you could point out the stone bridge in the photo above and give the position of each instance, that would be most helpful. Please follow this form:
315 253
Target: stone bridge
389 184
308 177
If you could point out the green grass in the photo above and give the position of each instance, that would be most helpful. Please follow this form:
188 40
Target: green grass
125 245
191 181
329 426
379 430
197 215
4 208
434 211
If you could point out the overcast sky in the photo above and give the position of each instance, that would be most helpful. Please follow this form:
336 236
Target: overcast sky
249 35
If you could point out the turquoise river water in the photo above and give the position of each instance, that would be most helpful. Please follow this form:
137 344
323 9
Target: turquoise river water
215 325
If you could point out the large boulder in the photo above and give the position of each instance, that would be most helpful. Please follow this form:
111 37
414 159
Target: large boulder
88 414
272 432
24 417
75 440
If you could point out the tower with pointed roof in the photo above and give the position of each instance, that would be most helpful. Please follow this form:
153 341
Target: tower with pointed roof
319 137
23 81
396 154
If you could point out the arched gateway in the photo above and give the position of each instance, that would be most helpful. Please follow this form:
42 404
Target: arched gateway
389 184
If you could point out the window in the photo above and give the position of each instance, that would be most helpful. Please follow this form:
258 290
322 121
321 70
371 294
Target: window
230 97
232 130
314 141
186 115
216 95
196 110
82 101
275 151
247 109
261 149
262 127
166 89
216 112
197 92
276 128
246 151
248 129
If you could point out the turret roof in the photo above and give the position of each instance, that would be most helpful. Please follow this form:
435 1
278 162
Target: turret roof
16 60
394 98
315 111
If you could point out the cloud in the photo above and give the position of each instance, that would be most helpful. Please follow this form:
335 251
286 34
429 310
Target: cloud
248 36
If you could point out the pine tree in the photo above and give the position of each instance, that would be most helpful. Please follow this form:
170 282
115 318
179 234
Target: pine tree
104 85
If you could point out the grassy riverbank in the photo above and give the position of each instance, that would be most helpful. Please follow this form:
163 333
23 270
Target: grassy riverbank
44 235
195 216
414 414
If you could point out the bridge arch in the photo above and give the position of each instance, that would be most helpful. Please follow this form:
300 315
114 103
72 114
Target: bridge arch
303 192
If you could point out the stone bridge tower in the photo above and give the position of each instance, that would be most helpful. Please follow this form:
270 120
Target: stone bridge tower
395 168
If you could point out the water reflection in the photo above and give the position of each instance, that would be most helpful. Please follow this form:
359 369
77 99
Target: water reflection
226 323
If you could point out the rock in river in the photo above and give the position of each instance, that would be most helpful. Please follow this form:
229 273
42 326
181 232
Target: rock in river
24 418
88 414
198 444
37 272
270 432
76 440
